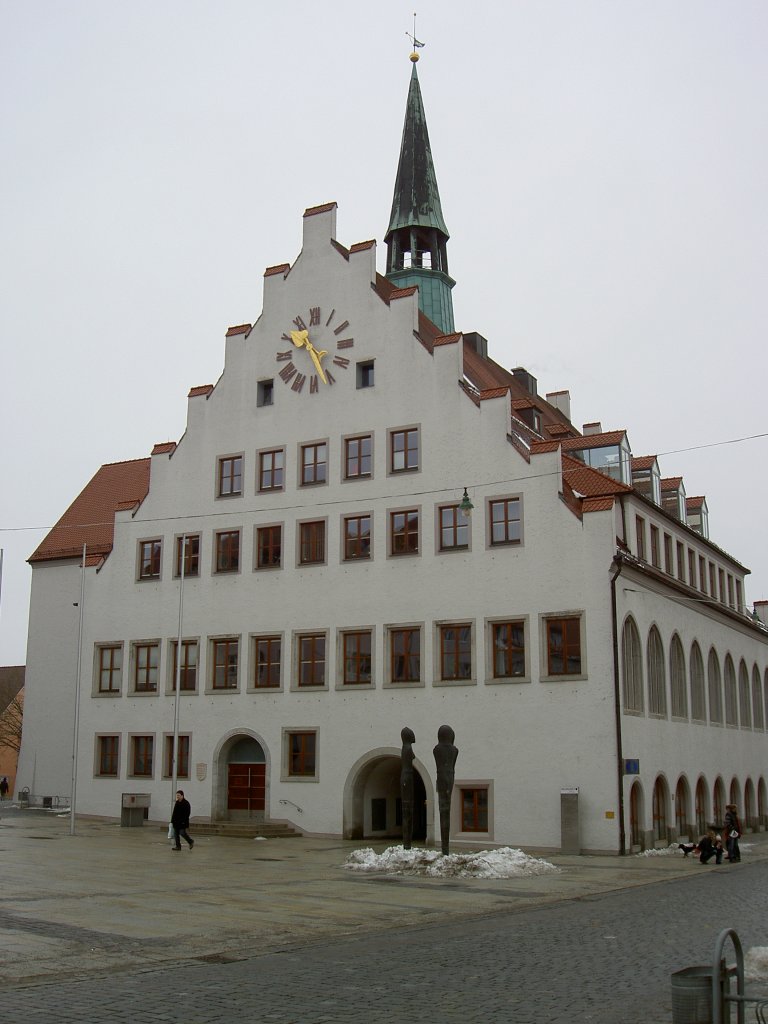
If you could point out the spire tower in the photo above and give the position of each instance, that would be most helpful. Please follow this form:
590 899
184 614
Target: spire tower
417 236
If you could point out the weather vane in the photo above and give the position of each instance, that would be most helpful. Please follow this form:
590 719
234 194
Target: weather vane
416 44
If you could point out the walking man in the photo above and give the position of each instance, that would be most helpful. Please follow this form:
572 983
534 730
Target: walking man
180 820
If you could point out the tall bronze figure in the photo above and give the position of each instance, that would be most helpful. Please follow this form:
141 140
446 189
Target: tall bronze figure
445 759
406 784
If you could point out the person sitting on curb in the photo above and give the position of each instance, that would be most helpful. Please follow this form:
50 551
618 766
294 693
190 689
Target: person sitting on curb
710 846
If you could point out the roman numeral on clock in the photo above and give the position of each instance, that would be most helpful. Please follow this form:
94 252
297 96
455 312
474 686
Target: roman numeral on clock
283 357
341 361
300 323
298 384
288 371
314 316
342 327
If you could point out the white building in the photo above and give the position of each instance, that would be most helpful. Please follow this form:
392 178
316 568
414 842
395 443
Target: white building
579 631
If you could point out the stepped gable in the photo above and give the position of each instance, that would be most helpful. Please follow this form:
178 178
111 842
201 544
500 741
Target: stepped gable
90 519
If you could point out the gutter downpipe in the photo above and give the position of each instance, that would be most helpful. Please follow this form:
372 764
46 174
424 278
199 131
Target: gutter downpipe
618 562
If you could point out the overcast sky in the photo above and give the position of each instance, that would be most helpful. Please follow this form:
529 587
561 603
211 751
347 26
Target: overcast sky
602 168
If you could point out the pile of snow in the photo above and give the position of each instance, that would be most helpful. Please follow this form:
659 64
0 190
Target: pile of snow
396 860
663 852
756 963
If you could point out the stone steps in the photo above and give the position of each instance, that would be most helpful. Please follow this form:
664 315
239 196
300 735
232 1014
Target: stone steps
244 830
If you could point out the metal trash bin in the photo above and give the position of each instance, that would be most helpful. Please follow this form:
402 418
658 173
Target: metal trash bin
133 810
692 995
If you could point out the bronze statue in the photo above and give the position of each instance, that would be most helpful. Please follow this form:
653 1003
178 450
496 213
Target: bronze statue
406 784
445 759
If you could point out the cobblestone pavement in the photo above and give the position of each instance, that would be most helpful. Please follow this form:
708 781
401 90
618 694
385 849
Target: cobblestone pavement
601 959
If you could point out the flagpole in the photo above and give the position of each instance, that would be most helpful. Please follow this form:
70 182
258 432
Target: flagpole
77 697
177 680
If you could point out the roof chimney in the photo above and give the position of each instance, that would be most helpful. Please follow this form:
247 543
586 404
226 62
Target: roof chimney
478 343
761 611
526 379
561 401
592 428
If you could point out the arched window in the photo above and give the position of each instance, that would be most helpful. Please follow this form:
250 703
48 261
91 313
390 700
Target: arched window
636 814
715 688
698 700
677 678
758 713
701 807
681 807
632 660
657 677
731 704
745 704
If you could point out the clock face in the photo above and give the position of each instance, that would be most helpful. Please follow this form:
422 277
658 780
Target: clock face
313 352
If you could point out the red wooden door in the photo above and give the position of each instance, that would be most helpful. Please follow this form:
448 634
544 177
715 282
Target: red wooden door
246 787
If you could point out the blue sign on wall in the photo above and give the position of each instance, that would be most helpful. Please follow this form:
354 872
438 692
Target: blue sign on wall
631 766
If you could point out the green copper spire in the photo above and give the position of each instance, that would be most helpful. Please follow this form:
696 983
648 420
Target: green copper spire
417 236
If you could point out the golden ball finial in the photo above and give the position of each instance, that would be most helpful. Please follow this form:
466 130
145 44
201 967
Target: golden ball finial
414 56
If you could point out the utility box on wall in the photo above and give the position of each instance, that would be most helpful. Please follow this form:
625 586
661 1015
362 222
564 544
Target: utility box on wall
134 809
569 821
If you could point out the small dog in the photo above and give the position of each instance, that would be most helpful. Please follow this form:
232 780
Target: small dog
686 848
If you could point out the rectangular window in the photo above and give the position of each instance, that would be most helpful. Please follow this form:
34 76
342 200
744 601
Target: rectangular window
110 668
228 551
721 583
655 553
456 652
311 649
713 579
474 810
188 668
314 463
265 393
267 651
365 374
504 521
302 757
182 766
225 658
730 590
191 555
271 467
357 658
454 528
107 756
691 567
146 661
508 649
668 566
357 537
269 547
312 543
739 598
405 655
564 646
404 532
358 457
142 752
404 450
640 535
150 552
680 562
230 476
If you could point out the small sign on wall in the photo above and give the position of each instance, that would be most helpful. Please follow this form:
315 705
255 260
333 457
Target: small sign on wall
632 766
201 771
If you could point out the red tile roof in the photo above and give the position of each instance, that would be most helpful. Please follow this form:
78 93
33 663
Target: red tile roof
523 403
323 208
643 461
541 447
360 246
602 440
590 482
240 329
493 393
447 339
202 389
671 483
597 504
164 448
280 268
695 502
90 519
557 429
403 293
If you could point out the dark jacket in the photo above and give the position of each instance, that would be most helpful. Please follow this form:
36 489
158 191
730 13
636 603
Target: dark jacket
180 816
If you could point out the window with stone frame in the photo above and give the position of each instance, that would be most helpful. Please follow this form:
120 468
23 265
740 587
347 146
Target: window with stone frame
404 532
314 463
357 537
191 544
358 457
107 756
357 657
110 668
269 546
312 543
230 476
508 646
146 659
632 666
182 765
455 651
227 546
474 809
142 755
187 670
150 554
563 646
657 679
311 649
271 470
405 654
301 754
267 662
225 653
454 528
504 521
404 450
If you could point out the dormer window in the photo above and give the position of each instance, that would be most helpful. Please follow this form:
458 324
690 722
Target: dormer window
646 477
697 515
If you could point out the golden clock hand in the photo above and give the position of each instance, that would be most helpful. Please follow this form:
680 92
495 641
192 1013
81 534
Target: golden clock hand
315 355
300 338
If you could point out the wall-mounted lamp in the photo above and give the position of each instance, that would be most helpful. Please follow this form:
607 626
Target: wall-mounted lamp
466 505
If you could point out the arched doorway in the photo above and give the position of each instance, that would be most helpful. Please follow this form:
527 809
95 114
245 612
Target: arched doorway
748 816
762 817
660 802
701 807
240 778
718 802
636 812
682 804
372 804
735 795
